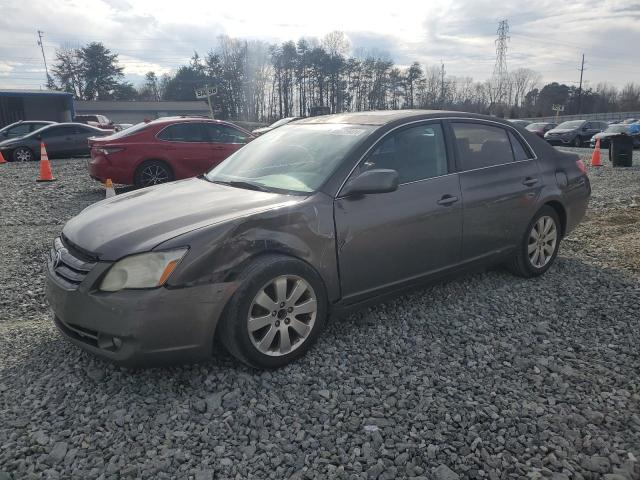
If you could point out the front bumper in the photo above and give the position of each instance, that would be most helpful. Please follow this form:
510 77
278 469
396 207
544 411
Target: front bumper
137 328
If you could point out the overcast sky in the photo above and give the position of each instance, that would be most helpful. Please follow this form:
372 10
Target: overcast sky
547 36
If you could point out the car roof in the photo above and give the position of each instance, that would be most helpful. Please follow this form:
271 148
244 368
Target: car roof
384 117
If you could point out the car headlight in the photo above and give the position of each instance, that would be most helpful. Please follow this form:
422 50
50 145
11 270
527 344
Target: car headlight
145 270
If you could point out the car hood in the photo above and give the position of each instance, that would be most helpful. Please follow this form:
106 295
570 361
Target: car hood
138 221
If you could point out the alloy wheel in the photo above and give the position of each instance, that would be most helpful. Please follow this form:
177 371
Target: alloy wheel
542 242
153 175
23 155
282 315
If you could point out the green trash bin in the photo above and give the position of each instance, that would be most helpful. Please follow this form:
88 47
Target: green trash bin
621 150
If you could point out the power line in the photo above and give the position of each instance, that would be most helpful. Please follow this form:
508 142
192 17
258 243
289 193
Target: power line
580 87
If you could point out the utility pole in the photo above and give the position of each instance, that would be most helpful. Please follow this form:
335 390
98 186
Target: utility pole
44 58
441 85
580 87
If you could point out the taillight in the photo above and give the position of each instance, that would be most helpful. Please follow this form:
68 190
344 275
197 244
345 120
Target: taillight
109 150
581 166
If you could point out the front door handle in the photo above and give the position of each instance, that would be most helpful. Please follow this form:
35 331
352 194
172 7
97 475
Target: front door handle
447 200
530 181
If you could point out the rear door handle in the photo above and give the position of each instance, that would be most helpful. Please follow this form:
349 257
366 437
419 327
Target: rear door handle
447 200
530 181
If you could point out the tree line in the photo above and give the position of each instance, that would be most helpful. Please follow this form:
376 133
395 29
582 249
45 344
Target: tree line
257 81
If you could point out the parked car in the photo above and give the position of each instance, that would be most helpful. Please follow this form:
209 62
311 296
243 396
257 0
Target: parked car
629 121
520 123
279 123
164 150
319 217
99 121
540 128
21 128
614 130
60 139
575 132
122 126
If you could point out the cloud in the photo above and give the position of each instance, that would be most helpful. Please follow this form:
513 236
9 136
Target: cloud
546 35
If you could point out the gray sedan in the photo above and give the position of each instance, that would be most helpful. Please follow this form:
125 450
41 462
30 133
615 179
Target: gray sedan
309 220
60 139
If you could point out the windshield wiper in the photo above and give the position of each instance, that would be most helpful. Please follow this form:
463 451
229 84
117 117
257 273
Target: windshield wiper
242 184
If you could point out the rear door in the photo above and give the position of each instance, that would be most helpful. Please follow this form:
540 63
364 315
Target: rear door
186 146
500 183
387 239
81 139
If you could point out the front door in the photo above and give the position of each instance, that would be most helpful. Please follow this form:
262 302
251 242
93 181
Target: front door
500 184
59 141
387 239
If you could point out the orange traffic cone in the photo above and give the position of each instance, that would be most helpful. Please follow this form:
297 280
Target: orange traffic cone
110 190
595 158
45 166
2 160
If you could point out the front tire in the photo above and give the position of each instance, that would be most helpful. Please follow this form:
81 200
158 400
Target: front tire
23 154
276 314
539 245
153 172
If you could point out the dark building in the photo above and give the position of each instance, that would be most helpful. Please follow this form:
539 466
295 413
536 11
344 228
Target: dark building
35 105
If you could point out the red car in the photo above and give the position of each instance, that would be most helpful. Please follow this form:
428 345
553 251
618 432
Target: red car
164 150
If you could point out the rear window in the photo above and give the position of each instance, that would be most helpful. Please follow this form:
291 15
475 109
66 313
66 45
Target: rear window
481 145
183 132
520 152
129 131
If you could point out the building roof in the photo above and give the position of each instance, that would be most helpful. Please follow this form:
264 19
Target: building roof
14 92
114 106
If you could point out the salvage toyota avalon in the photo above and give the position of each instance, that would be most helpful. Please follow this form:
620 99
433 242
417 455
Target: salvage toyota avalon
311 219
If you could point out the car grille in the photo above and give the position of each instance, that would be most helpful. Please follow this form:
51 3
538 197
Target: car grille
69 266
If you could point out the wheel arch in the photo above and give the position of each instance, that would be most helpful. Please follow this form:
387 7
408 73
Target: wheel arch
562 214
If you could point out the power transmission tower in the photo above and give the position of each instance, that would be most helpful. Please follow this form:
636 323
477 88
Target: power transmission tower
580 87
442 72
500 69
44 58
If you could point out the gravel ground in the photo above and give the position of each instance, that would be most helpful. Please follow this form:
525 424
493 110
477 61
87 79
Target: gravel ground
488 376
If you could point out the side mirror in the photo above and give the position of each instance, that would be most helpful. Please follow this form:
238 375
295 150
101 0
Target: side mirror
372 181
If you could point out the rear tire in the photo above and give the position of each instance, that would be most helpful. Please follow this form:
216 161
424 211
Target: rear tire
539 245
23 154
153 172
260 326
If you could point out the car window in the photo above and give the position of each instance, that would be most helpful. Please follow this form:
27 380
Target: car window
36 126
183 132
224 134
520 152
21 129
416 153
481 145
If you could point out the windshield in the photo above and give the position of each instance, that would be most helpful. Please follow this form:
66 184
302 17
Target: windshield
293 158
535 126
617 129
571 125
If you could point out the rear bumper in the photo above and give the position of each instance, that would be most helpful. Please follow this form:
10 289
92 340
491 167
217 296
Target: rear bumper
101 168
138 328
